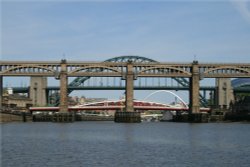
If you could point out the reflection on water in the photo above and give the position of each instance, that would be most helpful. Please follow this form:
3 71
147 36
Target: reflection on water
116 144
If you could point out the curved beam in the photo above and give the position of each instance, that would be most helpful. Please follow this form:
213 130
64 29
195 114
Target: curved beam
126 58
94 67
27 66
240 82
227 68
164 67
166 91
79 80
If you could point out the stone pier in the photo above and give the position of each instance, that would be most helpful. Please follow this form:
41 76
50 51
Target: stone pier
1 92
194 89
63 87
63 115
224 93
37 90
129 88
129 116
194 94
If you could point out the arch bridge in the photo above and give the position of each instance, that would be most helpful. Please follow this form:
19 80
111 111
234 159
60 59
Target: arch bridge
129 68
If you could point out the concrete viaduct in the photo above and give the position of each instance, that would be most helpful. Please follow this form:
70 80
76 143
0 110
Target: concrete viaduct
129 71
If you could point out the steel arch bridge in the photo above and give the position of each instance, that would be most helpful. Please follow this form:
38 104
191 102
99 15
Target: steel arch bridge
242 82
77 82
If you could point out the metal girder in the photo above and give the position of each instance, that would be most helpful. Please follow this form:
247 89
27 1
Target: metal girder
240 82
135 59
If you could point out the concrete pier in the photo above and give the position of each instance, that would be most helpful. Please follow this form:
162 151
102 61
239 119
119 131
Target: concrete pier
8 117
194 89
198 118
63 87
192 118
63 117
129 88
224 92
1 92
37 90
129 116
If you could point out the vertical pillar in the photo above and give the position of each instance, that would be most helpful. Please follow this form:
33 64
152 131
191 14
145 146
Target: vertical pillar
212 98
129 116
1 92
224 92
129 88
205 94
194 89
37 90
63 87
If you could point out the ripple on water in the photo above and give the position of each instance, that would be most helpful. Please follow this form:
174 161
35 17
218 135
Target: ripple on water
110 144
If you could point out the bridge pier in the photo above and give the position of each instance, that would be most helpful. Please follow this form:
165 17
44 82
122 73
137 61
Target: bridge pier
1 92
63 115
129 88
224 92
63 87
194 109
37 91
129 116
194 89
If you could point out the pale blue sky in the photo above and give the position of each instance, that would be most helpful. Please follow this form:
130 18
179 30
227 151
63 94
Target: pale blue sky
165 30
214 31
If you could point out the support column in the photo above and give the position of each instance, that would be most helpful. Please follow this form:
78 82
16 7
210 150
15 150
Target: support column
63 87
129 88
194 111
224 92
129 116
194 89
63 115
37 90
1 92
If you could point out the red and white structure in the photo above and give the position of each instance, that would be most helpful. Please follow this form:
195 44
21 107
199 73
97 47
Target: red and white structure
119 105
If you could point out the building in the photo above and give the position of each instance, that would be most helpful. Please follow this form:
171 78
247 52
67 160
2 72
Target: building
16 101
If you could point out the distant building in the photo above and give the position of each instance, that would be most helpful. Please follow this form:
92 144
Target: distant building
16 101
91 100
81 100
75 100
37 90
242 105
224 92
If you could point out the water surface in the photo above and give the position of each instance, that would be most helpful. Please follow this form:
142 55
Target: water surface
108 144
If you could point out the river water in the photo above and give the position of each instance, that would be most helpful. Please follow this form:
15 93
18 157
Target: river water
97 144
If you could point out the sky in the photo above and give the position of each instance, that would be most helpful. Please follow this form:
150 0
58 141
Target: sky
166 31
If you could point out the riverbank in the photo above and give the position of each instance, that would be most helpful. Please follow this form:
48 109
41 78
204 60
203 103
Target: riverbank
4 117
105 143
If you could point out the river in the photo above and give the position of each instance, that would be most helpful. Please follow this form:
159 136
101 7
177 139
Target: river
108 144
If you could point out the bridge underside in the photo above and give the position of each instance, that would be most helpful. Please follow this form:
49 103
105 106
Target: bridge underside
129 68
79 82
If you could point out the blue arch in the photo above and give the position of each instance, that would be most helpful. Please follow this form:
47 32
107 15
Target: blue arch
241 82
79 80
137 59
